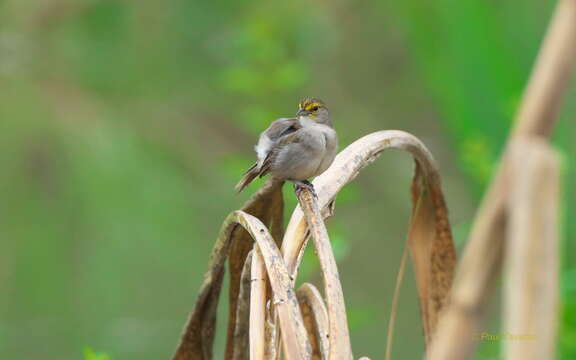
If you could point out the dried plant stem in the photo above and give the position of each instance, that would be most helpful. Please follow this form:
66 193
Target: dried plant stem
531 264
257 307
197 340
551 74
293 332
271 336
340 347
394 309
482 256
266 205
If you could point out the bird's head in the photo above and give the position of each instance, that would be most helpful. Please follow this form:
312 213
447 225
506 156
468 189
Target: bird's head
315 110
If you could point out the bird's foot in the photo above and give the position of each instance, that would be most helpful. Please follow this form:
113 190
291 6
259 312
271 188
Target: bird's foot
300 185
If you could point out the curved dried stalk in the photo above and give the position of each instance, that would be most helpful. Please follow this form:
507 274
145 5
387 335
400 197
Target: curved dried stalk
241 334
293 332
267 205
339 341
429 237
315 319
198 337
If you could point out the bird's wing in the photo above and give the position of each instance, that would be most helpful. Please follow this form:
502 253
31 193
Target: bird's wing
290 138
281 128
270 138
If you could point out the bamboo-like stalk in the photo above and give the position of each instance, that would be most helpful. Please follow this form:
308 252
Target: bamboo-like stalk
551 75
531 265
257 307
339 340
481 260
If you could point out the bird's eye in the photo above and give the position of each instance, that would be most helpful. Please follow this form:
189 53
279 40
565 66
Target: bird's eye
315 108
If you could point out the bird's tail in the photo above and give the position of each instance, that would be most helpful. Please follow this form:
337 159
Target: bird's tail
249 175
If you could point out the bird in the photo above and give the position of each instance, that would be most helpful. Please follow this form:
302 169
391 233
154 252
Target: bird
295 149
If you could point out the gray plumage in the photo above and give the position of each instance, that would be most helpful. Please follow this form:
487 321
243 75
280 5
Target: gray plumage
295 149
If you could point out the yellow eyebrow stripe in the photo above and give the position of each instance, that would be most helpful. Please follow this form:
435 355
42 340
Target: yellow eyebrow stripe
311 105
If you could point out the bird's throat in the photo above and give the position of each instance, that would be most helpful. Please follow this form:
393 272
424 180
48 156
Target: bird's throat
306 121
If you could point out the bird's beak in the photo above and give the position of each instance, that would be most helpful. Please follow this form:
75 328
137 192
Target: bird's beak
303 112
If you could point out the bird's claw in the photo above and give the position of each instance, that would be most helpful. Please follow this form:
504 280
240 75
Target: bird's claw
300 185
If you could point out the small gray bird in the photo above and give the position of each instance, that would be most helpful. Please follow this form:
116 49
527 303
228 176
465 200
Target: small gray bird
295 149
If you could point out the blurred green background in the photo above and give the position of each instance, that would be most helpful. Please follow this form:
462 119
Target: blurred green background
124 126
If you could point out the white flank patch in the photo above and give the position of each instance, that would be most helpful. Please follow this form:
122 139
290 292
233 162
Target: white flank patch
263 147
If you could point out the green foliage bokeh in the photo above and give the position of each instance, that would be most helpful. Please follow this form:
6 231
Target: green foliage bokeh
124 126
